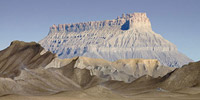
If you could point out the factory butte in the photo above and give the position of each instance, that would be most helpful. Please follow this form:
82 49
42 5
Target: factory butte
128 36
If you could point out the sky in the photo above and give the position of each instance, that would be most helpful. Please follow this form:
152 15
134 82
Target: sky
29 20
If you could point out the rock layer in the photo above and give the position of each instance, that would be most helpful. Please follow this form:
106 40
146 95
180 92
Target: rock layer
129 36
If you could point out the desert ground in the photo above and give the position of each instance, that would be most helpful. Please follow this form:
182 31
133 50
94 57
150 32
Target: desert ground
101 93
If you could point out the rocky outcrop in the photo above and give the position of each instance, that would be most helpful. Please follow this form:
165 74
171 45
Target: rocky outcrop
129 36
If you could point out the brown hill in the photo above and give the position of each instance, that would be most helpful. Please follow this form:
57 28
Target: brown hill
26 69
185 77
20 55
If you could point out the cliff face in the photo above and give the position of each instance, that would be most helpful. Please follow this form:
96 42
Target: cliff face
135 20
128 36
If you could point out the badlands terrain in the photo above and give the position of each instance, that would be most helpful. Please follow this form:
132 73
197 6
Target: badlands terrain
29 72
119 59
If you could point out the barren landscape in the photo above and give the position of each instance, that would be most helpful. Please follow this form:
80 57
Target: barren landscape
39 75
99 50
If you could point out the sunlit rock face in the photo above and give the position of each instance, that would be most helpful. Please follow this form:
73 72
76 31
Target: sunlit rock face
128 36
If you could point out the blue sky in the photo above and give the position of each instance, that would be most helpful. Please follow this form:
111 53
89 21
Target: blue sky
29 20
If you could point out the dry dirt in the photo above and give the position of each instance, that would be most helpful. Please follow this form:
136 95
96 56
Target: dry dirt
101 93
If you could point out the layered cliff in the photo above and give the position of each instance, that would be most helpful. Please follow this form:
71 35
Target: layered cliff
135 20
128 36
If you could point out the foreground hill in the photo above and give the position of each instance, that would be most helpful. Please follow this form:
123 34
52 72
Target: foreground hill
27 71
128 36
185 77
26 68
181 80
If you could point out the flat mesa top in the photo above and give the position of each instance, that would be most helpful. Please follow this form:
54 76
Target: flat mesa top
133 19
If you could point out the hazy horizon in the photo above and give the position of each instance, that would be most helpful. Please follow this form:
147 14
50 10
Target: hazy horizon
176 20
